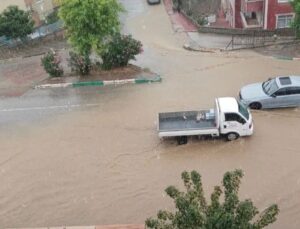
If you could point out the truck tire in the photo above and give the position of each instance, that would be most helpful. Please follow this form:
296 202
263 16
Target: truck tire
182 140
232 136
255 106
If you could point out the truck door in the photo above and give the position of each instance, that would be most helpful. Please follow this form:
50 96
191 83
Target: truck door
233 122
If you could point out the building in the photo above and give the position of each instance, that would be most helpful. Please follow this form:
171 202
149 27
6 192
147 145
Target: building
39 9
265 14
5 3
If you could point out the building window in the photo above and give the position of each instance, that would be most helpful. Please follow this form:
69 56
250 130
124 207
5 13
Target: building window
284 21
283 1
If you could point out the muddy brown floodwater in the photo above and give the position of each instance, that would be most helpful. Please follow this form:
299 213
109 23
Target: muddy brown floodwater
106 165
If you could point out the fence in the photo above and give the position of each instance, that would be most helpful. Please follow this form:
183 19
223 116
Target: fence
39 33
257 39
286 32
33 47
47 29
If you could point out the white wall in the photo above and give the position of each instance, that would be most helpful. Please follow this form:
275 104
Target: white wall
5 3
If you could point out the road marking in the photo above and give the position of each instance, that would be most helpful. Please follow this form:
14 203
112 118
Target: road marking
49 107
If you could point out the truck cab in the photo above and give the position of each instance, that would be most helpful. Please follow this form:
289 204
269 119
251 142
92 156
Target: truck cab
235 118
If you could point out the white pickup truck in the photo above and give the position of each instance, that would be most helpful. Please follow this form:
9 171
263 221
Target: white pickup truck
228 118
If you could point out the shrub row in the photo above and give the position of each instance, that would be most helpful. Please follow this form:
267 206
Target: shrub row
117 52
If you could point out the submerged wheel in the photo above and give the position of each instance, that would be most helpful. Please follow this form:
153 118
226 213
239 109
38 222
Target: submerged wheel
232 136
182 140
255 106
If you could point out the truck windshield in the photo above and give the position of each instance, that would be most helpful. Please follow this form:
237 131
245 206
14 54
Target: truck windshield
270 86
243 110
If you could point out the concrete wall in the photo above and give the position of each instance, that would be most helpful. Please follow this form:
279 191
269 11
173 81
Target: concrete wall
200 8
43 7
40 9
5 3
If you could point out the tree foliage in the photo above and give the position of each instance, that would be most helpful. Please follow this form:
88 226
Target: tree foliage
296 23
119 51
193 211
15 23
90 22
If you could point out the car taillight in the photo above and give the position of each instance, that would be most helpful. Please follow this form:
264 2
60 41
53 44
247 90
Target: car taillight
250 126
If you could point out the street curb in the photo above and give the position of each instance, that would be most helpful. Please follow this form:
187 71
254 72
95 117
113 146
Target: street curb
200 49
286 58
100 83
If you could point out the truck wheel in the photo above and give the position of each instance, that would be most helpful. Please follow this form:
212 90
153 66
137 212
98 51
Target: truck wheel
232 136
182 140
255 106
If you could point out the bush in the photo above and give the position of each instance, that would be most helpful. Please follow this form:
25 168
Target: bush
189 12
202 21
15 23
119 51
52 17
51 62
80 64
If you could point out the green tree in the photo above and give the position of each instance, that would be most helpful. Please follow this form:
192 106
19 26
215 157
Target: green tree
296 22
193 211
90 22
15 23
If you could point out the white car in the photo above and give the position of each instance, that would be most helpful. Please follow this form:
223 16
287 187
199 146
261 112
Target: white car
282 91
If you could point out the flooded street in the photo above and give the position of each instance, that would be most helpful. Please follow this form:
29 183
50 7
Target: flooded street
104 163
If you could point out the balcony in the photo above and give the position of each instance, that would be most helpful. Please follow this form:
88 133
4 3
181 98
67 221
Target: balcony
252 20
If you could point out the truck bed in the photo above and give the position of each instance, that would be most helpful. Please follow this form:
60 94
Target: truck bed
187 123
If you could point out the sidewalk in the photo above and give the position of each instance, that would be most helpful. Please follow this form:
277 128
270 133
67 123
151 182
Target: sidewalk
127 226
179 22
19 75
196 41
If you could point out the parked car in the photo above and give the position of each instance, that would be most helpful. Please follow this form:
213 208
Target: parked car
150 2
281 91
